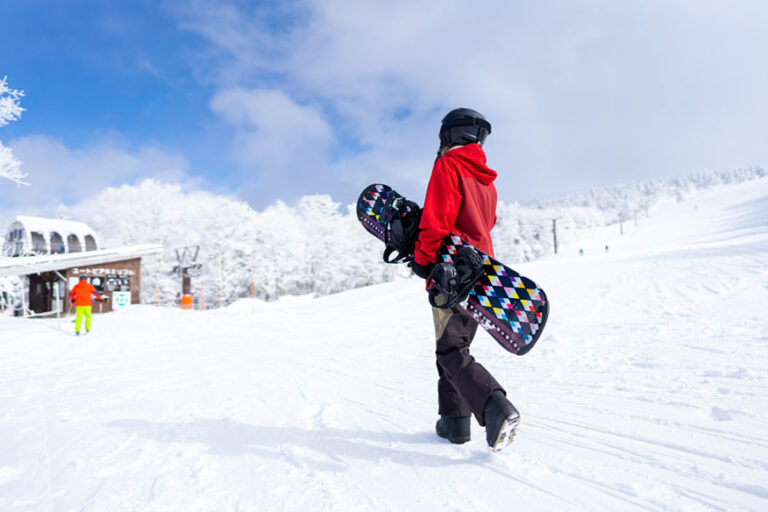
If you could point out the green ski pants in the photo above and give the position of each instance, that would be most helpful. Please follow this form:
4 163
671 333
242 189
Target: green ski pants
80 312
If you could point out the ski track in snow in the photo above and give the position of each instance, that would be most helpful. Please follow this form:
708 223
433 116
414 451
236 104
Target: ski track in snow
647 391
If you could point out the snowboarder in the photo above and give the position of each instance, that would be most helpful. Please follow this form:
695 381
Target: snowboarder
80 296
461 199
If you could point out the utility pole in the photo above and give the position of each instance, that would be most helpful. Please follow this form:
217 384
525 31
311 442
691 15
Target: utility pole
554 233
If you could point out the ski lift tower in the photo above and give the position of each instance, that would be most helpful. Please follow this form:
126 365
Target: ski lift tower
187 268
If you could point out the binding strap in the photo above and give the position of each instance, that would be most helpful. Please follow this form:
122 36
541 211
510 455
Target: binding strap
455 280
402 231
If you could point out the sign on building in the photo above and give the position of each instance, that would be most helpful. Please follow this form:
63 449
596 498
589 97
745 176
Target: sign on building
120 300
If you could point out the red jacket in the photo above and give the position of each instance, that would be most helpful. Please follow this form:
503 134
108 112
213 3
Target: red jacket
461 199
81 293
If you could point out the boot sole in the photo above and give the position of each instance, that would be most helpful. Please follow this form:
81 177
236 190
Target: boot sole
506 433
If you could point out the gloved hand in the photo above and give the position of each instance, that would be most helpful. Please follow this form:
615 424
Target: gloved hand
421 270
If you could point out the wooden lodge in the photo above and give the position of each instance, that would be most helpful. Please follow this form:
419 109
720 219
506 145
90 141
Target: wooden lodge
53 254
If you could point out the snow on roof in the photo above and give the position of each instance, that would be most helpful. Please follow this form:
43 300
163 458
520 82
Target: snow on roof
60 226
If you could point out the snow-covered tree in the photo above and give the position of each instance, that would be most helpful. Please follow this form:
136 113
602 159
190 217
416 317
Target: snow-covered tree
310 248
10 110
62 212
11 288
317 247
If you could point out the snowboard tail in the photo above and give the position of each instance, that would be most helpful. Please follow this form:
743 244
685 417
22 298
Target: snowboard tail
511 307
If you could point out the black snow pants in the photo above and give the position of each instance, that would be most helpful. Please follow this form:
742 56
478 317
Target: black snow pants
464 385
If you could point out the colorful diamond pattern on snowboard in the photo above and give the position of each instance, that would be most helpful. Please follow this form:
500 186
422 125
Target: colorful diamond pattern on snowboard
375 209
507 304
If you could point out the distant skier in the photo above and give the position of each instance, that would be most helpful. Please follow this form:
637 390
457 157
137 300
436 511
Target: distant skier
80 296
461 199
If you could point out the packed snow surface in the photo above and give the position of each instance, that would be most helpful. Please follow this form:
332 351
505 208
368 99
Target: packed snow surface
647 391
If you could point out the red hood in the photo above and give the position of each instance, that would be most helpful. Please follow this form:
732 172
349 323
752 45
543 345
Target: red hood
472 158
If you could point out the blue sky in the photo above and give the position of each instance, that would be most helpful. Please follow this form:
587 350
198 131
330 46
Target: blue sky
274 100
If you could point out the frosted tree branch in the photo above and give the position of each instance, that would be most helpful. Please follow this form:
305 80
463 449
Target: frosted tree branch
10 166
10 110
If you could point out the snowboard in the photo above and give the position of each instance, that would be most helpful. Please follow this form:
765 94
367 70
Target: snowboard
509 306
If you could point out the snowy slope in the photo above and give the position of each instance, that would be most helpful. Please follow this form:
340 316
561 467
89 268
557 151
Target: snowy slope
648 391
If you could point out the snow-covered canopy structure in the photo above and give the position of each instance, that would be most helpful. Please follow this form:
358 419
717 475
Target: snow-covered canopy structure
36 235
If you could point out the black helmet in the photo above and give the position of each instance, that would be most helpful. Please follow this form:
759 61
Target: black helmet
464 126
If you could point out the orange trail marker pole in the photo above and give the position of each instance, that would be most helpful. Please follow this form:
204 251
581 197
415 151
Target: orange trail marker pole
253 297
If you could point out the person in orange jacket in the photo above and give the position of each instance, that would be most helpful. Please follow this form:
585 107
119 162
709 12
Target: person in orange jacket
80 296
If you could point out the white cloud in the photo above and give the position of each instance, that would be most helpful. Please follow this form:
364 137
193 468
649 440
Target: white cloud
58 173
578 94
277 141
273 131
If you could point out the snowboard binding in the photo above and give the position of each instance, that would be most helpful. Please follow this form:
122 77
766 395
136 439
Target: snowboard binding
454 280
402 231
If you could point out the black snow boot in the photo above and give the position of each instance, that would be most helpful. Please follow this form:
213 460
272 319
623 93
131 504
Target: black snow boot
501 420
455 429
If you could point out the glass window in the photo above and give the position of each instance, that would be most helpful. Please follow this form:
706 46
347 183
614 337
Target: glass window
57 243
74 244
39 244
90 243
